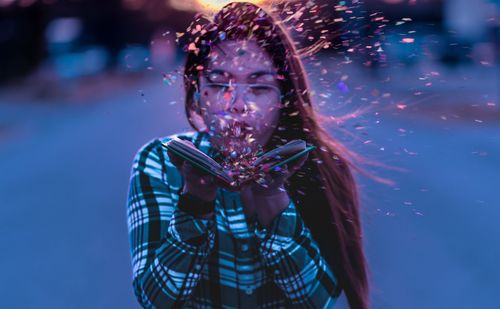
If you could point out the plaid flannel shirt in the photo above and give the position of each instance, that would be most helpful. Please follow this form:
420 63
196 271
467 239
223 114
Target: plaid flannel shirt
227 261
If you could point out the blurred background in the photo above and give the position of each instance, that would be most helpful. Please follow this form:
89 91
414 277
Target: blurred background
412 84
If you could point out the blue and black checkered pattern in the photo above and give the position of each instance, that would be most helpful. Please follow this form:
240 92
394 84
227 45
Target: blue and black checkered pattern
228 261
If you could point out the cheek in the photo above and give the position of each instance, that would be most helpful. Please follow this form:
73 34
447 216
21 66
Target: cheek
269 119
272 112
204 102
206 106
274 119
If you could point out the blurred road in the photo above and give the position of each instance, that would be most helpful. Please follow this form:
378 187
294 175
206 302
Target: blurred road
432 240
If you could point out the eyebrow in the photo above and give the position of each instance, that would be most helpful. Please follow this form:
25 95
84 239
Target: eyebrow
262 72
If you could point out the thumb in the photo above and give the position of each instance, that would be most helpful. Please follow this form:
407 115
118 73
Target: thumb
298 163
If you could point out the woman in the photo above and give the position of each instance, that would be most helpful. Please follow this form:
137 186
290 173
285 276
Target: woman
292 239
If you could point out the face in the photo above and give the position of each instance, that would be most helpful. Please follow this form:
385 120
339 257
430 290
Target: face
239 96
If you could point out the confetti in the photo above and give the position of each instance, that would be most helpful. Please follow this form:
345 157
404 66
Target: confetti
342 87
169 79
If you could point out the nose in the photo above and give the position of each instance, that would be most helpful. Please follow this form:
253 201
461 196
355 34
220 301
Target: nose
238 104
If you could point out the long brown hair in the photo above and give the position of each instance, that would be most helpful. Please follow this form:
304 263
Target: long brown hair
324 189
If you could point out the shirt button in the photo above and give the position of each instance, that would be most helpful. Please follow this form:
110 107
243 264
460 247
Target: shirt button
260 233
244 247
249 291
197 266
277 272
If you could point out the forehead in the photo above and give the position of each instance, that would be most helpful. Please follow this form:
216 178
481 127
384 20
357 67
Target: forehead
238 56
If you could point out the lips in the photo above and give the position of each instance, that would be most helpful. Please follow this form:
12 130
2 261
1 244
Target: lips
240 129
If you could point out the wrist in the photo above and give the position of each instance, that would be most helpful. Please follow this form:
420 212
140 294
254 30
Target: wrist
196 206
270 207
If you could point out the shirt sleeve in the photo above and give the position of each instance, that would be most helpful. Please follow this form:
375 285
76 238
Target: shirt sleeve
168 246
294 259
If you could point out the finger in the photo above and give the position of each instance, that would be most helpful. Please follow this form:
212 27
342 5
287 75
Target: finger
220 183
201 184
186 170
279 179
263 180
276 179
298 163
279 172
194 170
187 167
191 173
194 176
266 186
207 180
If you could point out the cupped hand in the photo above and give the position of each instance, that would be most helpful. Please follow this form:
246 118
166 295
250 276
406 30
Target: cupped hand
274 180
266 197
196 181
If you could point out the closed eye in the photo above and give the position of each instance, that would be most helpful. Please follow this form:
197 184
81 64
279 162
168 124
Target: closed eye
217 87
263 89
